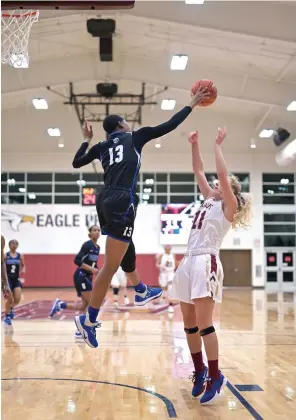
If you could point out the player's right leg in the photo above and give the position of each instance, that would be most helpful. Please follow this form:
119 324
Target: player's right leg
195 347
206 288
181 291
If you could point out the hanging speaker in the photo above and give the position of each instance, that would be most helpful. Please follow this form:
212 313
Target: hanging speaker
280 136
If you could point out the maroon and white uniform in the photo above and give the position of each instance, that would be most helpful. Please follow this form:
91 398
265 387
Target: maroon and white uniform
200 273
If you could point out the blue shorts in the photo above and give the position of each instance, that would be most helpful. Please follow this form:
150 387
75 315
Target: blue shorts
82 282
14 283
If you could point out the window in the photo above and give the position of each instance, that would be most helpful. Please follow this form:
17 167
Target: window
17 176
279 217
288 276
161 177
186 199
39 188
63 177
161 199
279 240
287 259
39 177
92 177
161 188
182 188
67 188
278 199
272 228
271 276
244 179
278 188
182 178
277 178
16 199
41 199
66 199
4 176
271 259
17 188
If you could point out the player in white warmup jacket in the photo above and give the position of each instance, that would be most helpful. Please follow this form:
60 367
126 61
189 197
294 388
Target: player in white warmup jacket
167 263
198 281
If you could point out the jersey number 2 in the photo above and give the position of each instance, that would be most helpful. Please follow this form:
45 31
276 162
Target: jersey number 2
198 219
119 154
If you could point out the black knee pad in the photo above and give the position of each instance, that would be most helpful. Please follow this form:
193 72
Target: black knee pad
115 290
207 331
128 263
191 330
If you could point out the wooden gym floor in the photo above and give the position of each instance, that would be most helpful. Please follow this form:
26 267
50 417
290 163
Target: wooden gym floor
141 369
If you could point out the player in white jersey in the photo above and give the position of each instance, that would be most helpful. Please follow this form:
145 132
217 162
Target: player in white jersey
199 279
119 280
167 263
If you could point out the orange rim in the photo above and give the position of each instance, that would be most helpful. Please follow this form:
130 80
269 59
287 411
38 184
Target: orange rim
8 15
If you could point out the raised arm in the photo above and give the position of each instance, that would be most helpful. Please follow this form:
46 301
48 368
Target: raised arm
145 134
82 157
230 201
197 165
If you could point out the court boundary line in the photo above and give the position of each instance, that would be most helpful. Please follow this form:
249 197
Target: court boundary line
168 404
244 402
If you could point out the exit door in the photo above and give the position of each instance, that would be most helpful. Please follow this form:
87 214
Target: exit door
280 269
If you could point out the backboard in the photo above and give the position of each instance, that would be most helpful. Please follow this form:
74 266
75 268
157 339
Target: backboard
67 4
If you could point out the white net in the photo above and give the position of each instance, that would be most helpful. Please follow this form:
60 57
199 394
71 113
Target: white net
15 30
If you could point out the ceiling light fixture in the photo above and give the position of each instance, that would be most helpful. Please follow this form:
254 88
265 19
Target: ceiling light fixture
40 103
253 143
168 104
22 190
54 132
32 196
292 106
179 62
266 133
194 1
61 145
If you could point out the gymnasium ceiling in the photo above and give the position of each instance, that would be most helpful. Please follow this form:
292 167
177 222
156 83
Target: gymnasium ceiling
247 48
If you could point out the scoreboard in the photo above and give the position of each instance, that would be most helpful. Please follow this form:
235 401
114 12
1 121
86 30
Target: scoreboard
88 196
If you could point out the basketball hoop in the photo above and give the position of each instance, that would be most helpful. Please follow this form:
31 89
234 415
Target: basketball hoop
15 30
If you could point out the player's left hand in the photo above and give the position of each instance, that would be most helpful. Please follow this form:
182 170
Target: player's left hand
87 130
221 135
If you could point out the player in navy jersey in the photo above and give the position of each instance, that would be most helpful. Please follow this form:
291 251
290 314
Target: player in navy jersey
15 264
4 279
120 156
87 262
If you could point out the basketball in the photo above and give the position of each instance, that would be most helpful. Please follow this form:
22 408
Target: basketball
211 88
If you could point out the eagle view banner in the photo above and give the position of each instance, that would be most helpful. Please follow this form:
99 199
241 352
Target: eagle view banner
61 229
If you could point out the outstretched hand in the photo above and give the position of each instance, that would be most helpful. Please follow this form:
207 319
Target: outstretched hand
87 130
200 95
193 137
221 135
